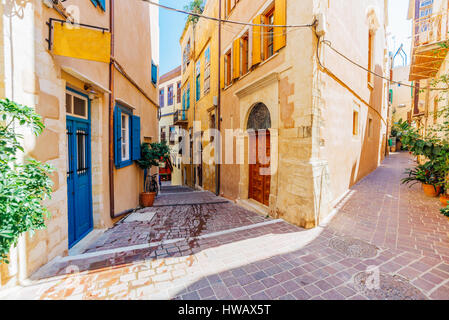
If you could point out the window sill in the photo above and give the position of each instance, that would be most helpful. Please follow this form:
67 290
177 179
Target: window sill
124 164
269 59
251 70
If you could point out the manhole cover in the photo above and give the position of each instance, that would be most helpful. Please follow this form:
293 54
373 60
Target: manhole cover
381 286
353 247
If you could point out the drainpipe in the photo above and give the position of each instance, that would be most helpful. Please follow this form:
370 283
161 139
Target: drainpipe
111 114
218 113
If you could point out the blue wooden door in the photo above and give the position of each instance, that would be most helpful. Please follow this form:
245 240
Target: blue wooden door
79 181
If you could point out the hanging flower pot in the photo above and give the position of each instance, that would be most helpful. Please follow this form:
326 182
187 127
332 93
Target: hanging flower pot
430 190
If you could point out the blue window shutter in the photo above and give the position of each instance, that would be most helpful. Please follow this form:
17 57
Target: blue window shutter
153 73
102 4
184 100
188 99
135 138
117 136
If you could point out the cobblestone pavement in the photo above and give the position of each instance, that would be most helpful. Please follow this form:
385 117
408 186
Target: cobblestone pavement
385 242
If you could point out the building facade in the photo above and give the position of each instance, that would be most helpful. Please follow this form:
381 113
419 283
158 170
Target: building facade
402 95
316 121
170 103
97 104
430 29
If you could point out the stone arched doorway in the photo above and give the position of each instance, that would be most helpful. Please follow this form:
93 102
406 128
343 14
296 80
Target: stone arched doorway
258 125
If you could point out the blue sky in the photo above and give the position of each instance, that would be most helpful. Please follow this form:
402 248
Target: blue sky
172 25
400 27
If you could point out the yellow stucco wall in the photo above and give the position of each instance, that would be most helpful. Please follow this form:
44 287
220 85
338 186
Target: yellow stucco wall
37 78
311 112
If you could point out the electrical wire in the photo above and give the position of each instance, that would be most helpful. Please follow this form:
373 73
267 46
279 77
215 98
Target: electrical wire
263 33
329 44
228 21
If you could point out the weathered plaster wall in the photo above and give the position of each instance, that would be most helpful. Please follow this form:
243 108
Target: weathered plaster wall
358 154
402 95
167 120
34 77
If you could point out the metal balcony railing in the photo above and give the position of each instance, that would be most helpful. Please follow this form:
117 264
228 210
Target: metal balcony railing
430 30
180 116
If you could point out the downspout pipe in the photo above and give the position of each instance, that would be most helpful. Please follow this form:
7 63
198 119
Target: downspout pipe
218 117
111 114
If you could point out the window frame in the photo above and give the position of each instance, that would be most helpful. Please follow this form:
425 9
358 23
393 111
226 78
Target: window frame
125 142
228 67
119 161
170 97
178 92
73 94
162 95
244 53
356 121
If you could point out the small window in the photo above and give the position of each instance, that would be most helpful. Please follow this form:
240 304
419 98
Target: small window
178 92
244 54
161 98
170 95
76 105
370 128
269 42
68 103
355 123
227 70
127 137
125 147
163 135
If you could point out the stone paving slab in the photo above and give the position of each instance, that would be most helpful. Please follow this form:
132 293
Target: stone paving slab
177 222
372 249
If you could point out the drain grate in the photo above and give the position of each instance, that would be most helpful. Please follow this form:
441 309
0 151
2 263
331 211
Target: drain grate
383 286
353 247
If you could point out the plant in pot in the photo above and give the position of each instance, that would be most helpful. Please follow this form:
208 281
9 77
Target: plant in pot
445 211
428 176
151 156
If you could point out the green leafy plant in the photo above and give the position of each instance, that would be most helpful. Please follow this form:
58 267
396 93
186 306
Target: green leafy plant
23 186
195 6
434 147
425 173
152 155
445 211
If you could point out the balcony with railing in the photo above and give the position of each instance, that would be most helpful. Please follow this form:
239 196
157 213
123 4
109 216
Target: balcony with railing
180 117
428 54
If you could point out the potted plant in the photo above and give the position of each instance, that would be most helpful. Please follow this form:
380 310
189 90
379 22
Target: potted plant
445 211
151 156
428 176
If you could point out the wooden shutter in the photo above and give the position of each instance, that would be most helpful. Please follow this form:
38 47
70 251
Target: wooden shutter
257 45
236 59
117 136
222 72
280 19
135 124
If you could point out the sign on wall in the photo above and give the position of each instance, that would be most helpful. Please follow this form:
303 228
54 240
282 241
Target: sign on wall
81 43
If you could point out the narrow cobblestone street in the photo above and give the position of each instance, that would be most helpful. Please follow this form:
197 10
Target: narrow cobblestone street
386 241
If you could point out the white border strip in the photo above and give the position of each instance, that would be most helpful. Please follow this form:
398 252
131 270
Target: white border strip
156 244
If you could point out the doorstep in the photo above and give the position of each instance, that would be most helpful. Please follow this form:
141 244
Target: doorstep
88 240
255 206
